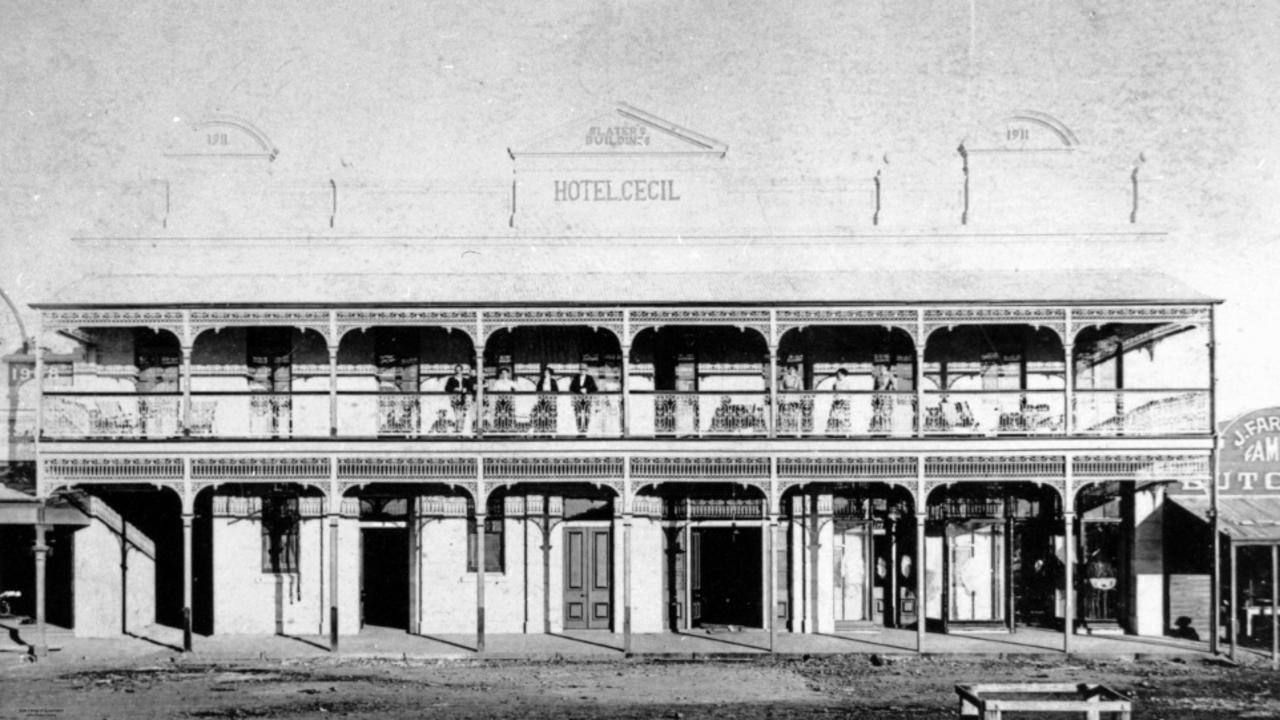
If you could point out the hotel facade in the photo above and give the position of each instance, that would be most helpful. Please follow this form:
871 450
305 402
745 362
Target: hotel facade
627 409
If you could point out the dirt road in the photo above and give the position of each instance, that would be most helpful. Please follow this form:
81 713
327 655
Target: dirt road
845 686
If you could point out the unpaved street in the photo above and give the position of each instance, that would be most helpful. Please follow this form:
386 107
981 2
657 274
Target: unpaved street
843 686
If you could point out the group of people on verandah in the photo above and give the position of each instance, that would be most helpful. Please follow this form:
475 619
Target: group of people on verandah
795 406
796 409
461 387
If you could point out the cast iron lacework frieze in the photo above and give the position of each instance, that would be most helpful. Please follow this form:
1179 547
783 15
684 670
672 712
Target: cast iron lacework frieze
1049 317
1123 467
980 466
900 319
847 467
552 468
608 319
316 320
1190 314
463 321
263 467
382 468
700 467
118 469
65 319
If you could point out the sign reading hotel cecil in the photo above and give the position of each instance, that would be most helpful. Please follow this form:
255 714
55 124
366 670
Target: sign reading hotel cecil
611 191
1249 457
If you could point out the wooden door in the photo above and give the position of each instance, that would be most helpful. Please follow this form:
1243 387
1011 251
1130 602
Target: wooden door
588 578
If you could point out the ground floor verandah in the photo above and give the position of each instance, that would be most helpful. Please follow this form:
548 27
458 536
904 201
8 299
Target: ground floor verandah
373 641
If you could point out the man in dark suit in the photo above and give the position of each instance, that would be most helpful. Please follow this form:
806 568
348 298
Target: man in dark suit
459 387
582 386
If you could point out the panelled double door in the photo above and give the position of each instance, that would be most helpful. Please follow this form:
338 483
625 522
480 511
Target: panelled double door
588 577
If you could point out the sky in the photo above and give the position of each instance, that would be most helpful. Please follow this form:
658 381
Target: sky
808 96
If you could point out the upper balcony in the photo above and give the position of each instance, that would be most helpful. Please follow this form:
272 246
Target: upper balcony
750 372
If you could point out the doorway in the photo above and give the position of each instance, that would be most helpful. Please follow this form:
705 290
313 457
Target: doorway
726 576
853 602
384 577
588 578
975 562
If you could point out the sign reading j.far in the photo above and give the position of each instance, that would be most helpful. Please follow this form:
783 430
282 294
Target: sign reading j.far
1249 457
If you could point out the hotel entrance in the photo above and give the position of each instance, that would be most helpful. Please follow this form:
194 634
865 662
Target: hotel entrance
726 576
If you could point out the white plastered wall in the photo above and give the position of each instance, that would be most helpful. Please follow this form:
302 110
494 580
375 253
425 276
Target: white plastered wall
111 599
1147 564
246 599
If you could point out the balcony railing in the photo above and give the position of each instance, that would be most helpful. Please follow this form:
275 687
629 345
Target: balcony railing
113 416
241 415
1141 412
407 415
846 414
1003 412
698 414
534 414
259 415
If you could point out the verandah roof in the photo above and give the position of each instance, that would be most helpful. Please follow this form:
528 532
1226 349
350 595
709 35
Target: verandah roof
1244 519
597 288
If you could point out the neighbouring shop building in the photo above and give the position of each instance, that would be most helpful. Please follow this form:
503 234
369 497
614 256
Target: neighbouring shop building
925 429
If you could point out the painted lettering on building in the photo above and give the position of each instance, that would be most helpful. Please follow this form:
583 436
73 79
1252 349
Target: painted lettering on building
638 190
618 136
1248 458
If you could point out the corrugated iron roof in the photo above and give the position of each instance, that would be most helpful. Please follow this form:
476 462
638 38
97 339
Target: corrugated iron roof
1245 518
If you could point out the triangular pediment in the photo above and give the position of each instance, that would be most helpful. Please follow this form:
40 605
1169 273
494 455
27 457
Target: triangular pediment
623 131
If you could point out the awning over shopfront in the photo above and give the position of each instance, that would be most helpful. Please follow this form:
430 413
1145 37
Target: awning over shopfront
1246 520
18 508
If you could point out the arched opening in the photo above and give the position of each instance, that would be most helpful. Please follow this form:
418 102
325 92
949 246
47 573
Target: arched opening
850 558
1142 378
405 382
994 380
846 381
134 545
270 574
713 554
553 382
259 383
114 383
994 556
696 381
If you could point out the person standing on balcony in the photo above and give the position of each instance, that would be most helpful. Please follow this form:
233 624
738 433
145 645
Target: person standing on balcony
882 402
504 405
789 407
545 412
582 386
459 387
839 422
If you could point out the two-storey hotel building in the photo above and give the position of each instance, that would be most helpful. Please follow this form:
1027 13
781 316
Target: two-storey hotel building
823 431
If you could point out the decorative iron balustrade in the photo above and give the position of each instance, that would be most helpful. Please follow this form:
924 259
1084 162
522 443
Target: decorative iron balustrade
112 416
698 414
406 415
558 414
1141 412
846 414
714 509
1001 412
259 415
